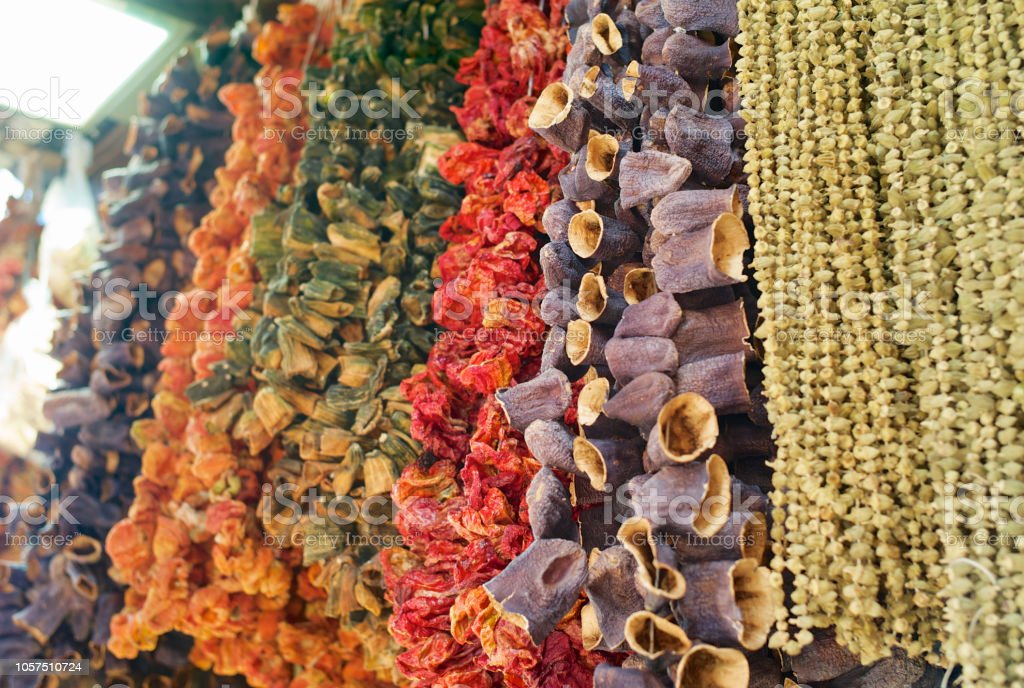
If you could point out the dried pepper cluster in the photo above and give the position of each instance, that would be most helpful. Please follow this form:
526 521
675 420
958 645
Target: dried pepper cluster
462 507
346 310
885 422
110 351
192 548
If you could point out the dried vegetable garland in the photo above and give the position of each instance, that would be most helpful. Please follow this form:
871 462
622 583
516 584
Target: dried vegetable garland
649 347
346 313
110 354
192 547
461 508
980 394
885 426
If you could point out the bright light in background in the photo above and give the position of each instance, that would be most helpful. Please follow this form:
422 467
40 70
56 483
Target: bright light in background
62 59
9 186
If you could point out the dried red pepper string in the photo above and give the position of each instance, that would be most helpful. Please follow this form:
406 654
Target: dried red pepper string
461 508
191 549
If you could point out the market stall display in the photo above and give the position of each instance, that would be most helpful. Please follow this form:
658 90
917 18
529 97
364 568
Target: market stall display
533 343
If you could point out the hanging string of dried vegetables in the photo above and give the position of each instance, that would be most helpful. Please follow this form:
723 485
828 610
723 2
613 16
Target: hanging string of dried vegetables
192 549
462 506
888 422
110 354
346 315
979 353
647 304
487 271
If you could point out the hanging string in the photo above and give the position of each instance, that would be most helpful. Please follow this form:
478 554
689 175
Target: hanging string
324 13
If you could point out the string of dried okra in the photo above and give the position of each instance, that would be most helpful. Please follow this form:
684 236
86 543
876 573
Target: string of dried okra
907 141
911 404
770 100
831 480
985 564
804 486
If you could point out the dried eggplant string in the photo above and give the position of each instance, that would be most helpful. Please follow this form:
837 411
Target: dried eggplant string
109 352
666 370
191 548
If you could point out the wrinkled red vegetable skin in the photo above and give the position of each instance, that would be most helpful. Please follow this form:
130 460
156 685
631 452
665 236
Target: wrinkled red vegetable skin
462 507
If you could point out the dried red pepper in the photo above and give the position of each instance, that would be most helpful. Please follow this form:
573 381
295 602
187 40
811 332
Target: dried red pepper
462 508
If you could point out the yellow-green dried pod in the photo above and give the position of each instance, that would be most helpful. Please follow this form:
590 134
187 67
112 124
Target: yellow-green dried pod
884 258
